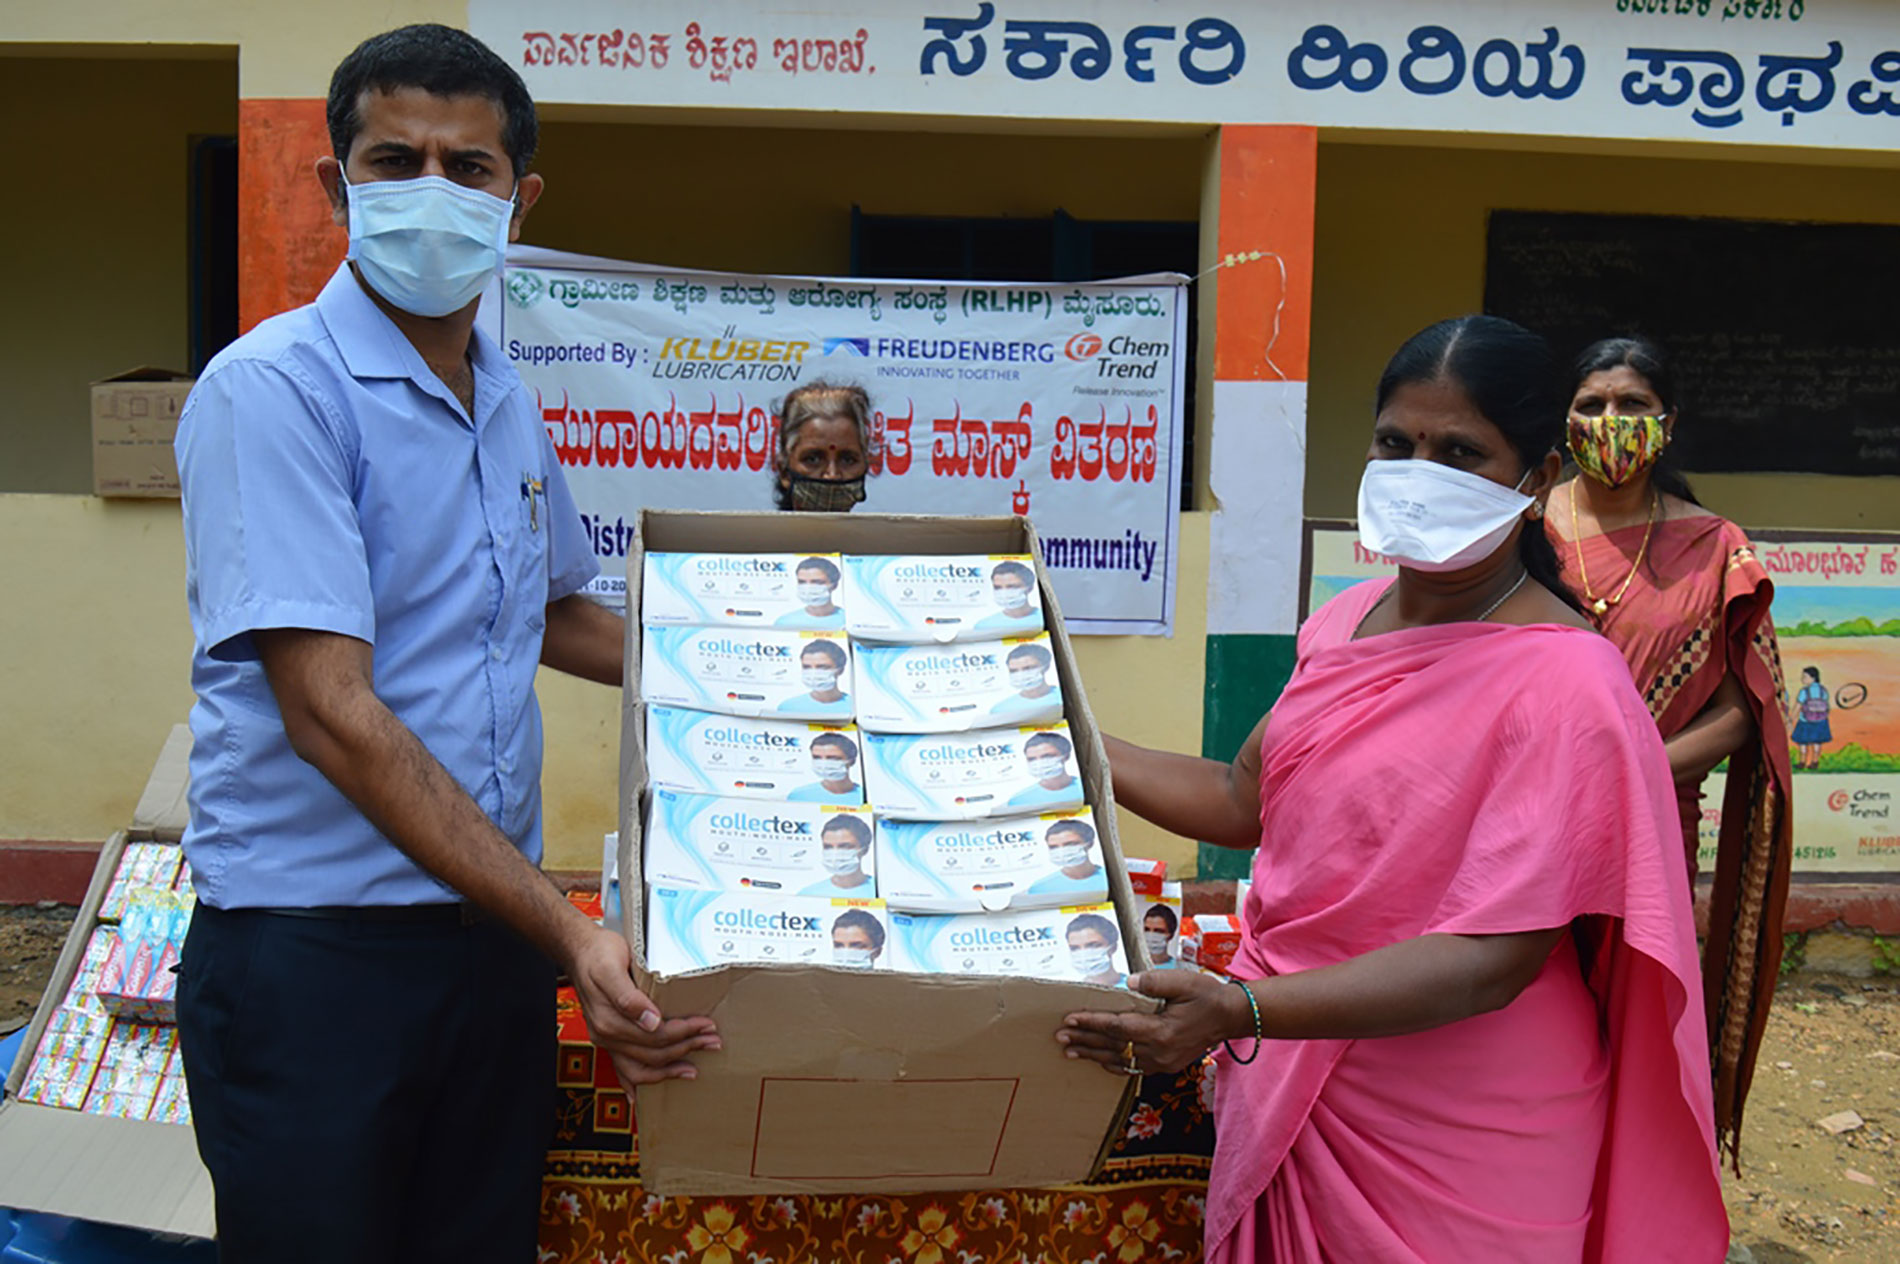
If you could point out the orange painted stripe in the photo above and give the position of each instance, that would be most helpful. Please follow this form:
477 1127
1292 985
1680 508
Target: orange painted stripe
1268 177
287 246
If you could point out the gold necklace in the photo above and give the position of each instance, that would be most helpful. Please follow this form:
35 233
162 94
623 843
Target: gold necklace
1600 605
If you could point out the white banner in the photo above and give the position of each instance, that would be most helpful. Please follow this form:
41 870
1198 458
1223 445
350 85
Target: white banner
1059 402
1805 73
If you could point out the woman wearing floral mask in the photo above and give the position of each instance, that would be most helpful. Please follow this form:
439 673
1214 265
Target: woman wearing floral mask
1463 1019
824 448
1679 591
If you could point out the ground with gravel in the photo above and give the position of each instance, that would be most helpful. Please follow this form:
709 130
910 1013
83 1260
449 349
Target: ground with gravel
1820 1175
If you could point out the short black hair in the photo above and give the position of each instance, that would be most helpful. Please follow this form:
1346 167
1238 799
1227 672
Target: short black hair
854 826
1015 570
837 741
824 564
825 649
1060 743
1165 913
865 922
1030 650
1081 829
443 62
1097 923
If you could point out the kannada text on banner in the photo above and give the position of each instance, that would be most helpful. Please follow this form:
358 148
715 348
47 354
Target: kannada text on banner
1058 402
1837 615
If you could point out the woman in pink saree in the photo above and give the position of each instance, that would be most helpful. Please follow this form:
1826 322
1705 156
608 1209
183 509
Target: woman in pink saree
1463 1023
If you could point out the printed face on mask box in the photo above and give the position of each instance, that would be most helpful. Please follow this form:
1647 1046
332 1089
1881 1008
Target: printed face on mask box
702 752
1007 862
962 776
1072 944
744 590
693 930
724 844
954 688
916 599
748 671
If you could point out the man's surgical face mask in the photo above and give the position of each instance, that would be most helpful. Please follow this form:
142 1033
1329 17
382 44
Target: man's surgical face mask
428 246
1012 597
851 957
829 769
841 859
814 594
1157 942
1025 677
1043 767
1065 855
819 679
1091 959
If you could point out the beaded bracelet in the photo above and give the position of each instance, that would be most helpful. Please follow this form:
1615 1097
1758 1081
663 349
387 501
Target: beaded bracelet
1255 1007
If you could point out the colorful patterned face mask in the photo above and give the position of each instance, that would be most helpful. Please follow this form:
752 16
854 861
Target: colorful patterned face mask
1614 449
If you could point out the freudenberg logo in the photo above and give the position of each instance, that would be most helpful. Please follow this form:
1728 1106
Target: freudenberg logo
847 346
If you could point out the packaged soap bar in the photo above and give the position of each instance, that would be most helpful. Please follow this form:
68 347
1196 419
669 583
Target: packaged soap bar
748 671
962 597
1075 944
747 757
709 843
1015 862
954 688
1209 941
963 776
691 930
744 590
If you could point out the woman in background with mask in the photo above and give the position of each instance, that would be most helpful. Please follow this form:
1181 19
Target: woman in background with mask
1462 1024
1679 591
824 448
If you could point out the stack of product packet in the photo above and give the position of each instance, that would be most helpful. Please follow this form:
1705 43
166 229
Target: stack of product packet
759 846
109 1047
987 849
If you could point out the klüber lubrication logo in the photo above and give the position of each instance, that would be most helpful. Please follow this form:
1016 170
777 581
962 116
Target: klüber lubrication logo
525 288
1083 346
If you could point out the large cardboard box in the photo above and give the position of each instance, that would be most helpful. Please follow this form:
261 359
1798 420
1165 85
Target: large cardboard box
134 419
836 1081
118 1171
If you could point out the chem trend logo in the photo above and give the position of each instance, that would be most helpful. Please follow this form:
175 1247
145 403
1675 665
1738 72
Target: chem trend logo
848 346
1837 801
1083 346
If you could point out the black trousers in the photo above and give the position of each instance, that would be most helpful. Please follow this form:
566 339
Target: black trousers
368 1091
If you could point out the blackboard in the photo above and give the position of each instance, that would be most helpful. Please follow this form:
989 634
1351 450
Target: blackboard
1785 337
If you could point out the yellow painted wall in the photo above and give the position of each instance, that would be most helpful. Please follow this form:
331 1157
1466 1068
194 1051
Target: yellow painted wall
96 666
95 237
1400 244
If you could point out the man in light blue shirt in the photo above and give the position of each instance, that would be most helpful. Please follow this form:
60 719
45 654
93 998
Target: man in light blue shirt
380 552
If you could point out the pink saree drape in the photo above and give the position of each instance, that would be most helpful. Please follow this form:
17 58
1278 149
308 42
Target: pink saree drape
1472 778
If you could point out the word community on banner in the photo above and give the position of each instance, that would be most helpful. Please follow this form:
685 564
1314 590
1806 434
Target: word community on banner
1062 403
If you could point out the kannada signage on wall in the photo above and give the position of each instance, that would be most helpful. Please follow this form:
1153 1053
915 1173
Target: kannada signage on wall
1837 616
1815 73
1059 402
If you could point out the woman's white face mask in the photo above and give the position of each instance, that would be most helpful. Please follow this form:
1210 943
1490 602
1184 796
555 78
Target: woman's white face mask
1432 517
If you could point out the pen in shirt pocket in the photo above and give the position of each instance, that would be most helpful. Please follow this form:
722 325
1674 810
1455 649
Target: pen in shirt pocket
530 489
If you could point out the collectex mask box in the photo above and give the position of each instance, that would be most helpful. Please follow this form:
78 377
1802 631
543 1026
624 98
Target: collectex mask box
746 590
134 420
691 930
960 1071
707 843
953 688
1079 943
1018 862
963 776
792 675
92 1166
893 596
703 752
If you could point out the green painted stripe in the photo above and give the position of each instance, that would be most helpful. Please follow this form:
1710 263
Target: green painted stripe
1245 673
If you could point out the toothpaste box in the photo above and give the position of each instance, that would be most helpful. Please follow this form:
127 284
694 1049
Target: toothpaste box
748 671
708 843
948 597
746 590
137 979
703 752
692 930
963 776
143 865
1078 944
953 688
1016 862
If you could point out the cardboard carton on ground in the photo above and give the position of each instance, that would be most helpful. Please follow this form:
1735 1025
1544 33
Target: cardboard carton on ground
119 1171
134 419
961 1074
